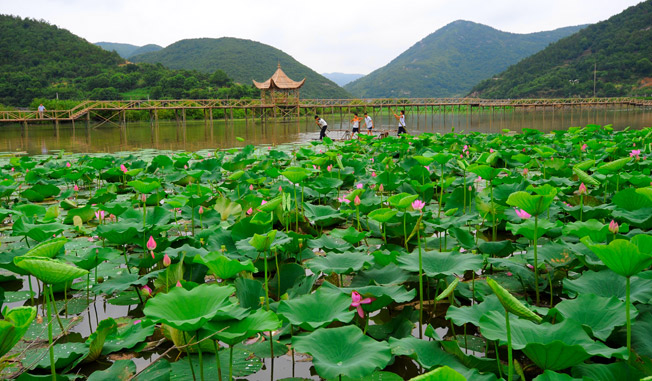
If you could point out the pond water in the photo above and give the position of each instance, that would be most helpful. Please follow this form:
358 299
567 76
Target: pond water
199 134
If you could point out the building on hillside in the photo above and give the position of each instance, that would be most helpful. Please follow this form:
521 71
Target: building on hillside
282 93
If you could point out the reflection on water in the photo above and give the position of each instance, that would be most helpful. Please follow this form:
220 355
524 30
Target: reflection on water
197 135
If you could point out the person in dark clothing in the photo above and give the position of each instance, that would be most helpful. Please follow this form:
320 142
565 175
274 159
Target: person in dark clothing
322 125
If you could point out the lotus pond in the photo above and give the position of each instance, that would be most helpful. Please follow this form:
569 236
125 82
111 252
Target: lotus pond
434 257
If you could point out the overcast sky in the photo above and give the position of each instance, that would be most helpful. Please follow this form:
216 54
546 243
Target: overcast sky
328 36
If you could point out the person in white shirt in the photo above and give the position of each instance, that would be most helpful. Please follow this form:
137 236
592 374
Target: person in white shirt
369 122
41 108
322 125
401 123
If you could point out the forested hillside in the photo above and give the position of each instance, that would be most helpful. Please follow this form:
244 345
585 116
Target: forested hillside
242 60
40 60
128 50
619 49
450 61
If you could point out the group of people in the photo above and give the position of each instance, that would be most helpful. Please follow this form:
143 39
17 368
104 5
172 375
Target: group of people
369 123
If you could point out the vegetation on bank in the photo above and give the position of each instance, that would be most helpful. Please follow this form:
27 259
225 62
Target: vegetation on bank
618 49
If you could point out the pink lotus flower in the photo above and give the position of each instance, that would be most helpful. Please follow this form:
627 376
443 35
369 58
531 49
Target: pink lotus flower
179 283
99 215
491 150
166 260
613 227
123 168
263 203
137 321
522 213
343 200
418 204
582 189
530 266
461 156
373 174
68 164
314 167
280 188
523 149
356 301
359 186
185 166
201 209
75 188
251 187
525 171
249 211
146 290
635 152
356 200
509 273
151 244
143 198
584 147
372 159
427 167
329 168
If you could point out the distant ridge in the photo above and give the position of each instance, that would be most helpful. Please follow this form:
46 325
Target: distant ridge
342 78
243 61
128 50
450 61
620 49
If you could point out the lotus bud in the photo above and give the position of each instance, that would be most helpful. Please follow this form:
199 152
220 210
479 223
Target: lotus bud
583 189
223 249
123 168
359 186
584 147
68 164
146 290
523 214
201 209
373 174
151 244
491 150
166 260
143 198
613 227
381 188
249 211
251 187
356 200
280 188
329 168
179 283
75 188
525 171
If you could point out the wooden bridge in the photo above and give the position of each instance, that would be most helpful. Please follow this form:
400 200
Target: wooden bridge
108 111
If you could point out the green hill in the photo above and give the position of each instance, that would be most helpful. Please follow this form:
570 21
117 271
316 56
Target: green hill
620 49
242 60
128 50
450 61
41 62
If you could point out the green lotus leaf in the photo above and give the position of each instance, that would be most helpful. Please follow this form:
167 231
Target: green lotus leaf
96 340
424 160
244 364
568 333
624 257
585 165
443 373
382 215
235 331
511 304
188 310
119 233
236 175
128 337
485 171
224 267
383 294
343 351
48 248
85 214
533 204
118 371
64 355
607 283
556 355
144 187
49 270
633 199
526 229
271 205
296 174
427 353
317 310
640 218
549 375
618 371
585 177
37 232
438 264
497 248
594 229
227 208
613 166
350 235
598 314
263 242
323 215
442 158
13 327
345 263
324 185
389 274
472 314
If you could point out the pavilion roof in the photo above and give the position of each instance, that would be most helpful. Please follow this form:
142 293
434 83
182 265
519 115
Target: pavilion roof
279 80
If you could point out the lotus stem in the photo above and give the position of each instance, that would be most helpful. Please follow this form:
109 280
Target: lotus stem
500 367
550 283
296 208
201 362
50 346
536 259
231 362
357 216
31 291
192 370
217 360
420 284
405 229
494 229
266 285
54 308
124 253
629 322
581 206
193 220
441 192
509 348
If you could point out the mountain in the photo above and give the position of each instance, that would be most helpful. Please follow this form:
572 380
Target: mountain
128 50
450 61
242 60
342 78
619 49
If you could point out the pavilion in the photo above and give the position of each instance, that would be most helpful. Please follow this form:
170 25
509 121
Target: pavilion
281 92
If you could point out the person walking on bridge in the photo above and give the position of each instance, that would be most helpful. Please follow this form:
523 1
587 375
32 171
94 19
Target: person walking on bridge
356 125
369 122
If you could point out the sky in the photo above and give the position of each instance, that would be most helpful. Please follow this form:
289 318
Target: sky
354 36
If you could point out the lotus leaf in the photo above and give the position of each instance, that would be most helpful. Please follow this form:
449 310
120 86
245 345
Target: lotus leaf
438 264
64 355
382 215
121 370
343 351
607 283
223 267
443 373
48 248
340 263
626 258
244 364
549 375
235 331
322 215
317 310
13 327
49 270
533 204
188 310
